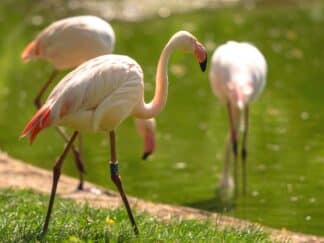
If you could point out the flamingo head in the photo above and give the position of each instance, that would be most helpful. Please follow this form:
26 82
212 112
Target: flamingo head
186 42
146 129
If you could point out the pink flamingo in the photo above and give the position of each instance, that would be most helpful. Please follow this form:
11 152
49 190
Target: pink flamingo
66 44
99 95
238 77
69 42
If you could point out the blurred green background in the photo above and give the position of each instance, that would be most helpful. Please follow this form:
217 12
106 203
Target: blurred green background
286 152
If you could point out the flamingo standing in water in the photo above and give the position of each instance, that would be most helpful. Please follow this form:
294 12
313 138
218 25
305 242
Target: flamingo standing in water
99 95
69 42
238 77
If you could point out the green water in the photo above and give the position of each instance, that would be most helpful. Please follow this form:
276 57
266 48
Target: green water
286 152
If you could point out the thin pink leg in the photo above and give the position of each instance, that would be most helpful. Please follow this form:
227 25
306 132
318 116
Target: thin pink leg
56 177
234 146
244 148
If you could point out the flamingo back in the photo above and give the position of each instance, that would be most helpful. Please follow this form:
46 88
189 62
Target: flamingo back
71 41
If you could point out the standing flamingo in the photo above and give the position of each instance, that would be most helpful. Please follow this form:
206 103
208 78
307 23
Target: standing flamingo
99 95
237 76
66 44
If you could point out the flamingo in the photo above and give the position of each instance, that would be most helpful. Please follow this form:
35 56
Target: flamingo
99 94
66 44
237 77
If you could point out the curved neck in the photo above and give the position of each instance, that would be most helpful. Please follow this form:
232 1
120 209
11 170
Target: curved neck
158 102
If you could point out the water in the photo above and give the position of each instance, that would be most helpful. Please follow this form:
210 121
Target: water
286 156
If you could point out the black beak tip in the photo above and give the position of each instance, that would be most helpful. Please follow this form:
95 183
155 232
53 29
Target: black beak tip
146 155
203 65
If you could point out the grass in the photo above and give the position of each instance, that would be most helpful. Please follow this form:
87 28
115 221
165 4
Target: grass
286 143
22 215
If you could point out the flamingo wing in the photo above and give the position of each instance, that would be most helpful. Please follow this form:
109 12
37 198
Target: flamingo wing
98 94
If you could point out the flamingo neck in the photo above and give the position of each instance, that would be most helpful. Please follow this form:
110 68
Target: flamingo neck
152 109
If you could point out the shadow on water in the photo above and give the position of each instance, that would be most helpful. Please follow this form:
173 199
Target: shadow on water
216 203
213 205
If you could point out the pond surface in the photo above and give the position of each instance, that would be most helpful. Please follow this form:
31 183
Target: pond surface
286 142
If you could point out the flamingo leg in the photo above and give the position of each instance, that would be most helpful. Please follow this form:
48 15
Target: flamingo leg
234 145
80 145
77 157
56 177
117 180
37 100
225 181
244 149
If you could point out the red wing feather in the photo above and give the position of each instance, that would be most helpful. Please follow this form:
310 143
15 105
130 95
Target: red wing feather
39 121
30 51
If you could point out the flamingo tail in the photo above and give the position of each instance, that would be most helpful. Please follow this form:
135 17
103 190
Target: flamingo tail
39 121
30 51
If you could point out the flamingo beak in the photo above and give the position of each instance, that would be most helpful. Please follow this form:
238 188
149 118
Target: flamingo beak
149 143
146 155
201 55
203 64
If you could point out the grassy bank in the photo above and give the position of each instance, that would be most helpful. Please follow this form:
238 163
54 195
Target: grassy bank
22 214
